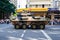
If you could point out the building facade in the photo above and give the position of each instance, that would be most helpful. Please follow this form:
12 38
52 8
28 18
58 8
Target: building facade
56 4
19 3
36 3
40 3
14 2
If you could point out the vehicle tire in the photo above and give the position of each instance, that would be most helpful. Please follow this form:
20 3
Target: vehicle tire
17 27
24 26
42 26
33 26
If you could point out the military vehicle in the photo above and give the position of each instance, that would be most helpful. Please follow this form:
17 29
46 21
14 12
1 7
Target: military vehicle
30 18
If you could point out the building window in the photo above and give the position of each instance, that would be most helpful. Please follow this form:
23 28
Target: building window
43 5
33 6
36 6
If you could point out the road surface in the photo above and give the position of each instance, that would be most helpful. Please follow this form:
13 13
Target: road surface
7 32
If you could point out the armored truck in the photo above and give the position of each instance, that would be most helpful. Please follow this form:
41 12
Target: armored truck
33 18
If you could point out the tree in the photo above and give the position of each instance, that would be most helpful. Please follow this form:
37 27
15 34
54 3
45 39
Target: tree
6 8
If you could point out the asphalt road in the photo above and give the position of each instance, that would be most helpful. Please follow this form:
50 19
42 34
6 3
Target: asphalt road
7 32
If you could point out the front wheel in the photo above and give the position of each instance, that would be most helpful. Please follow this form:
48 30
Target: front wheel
17 27
42 26
33 26
24 26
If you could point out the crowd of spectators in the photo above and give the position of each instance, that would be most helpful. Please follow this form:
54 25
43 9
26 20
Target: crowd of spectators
54 22
2 21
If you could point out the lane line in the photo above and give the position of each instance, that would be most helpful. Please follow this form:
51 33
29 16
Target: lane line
46 35
23 34
14 38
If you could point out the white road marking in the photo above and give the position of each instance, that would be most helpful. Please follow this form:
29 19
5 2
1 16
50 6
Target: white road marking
46 35
23 34
14 38
20 39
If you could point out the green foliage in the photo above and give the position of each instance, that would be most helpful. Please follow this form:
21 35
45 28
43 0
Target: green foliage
6 7
15 13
